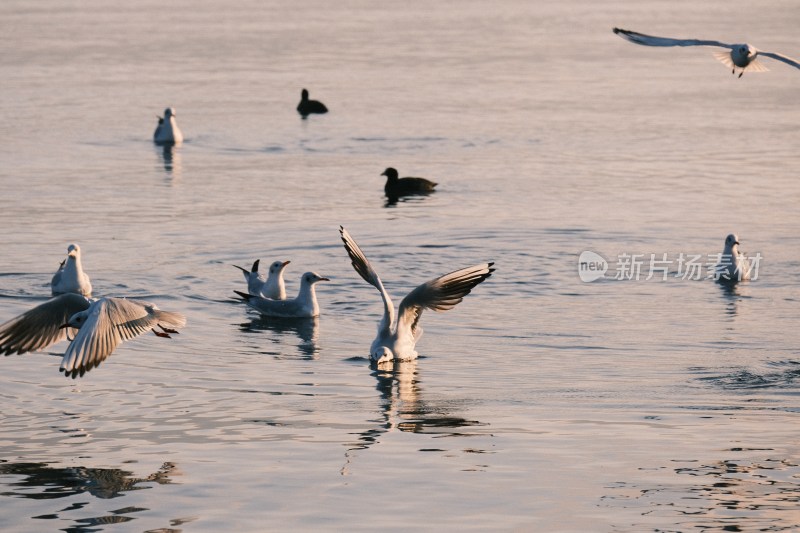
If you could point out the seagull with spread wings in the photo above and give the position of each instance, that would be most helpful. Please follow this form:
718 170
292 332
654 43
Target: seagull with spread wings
744 56
97 328
398 336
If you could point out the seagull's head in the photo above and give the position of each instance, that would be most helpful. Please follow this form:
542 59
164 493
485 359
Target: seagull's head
381 354
73 250
277 267
77 320
169 112
310 278
743 54
731 242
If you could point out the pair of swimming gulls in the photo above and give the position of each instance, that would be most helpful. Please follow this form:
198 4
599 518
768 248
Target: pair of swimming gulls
743 56
98 326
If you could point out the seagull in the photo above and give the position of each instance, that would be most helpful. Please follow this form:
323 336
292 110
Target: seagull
400 186
307 107
304 306
167 131
733 266
98 326
744 56
272 287
70 277
397 338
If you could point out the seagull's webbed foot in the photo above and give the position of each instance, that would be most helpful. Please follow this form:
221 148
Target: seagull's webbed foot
741 73
164 332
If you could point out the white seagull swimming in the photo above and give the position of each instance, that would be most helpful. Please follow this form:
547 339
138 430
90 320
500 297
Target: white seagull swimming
304 306
98 326
167 131
70 277
733 265
272 287
397 338
743 56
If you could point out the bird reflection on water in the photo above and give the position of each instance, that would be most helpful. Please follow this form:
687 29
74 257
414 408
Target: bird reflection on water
104 483
403 408
170 156
39 481
393 200
733 294
306 329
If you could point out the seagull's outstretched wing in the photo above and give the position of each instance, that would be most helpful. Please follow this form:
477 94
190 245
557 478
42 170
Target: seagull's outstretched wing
440 294
779 57
359 260
650 40
365 270
111 321
40 327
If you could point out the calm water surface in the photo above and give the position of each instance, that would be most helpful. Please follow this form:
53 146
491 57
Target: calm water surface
541 403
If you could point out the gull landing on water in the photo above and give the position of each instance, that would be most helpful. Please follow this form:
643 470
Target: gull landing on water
98 326
743 56
70 277
167 131
397 338
272 287
304 306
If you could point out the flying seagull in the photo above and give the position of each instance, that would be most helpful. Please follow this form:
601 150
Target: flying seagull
398 336
743 56
98 326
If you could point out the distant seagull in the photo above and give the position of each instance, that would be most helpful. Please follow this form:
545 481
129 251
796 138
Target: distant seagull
304 306
70 277
307 107
733 265
396 186
167 131
744 56
272 287
101 326
397 337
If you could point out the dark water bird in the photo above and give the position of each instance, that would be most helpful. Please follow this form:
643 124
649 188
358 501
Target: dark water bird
307 107
743 56
167 132
97 328
396 186
398 333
